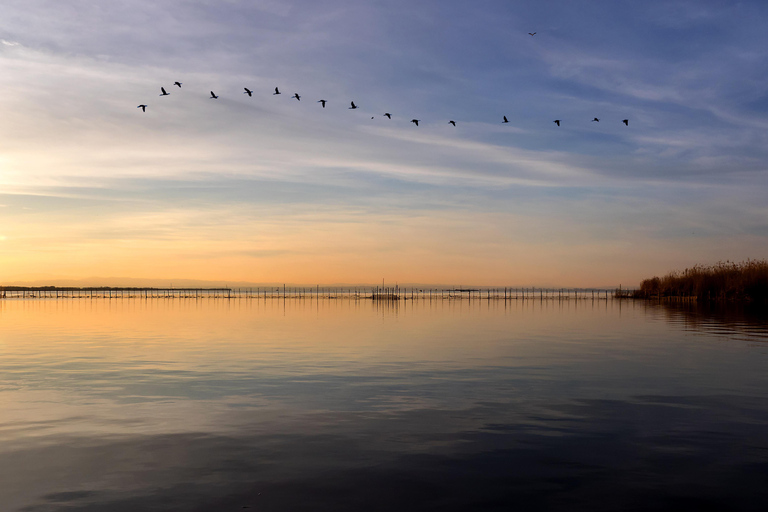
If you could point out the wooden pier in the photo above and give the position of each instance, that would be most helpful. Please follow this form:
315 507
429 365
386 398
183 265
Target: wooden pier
377 293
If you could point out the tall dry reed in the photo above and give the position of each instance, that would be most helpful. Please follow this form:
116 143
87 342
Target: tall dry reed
726 280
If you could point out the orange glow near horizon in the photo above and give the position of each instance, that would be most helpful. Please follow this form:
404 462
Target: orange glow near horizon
325 248
261 188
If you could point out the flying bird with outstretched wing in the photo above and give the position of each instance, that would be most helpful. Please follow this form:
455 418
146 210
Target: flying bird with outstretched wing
164 93
142 107
248 92
213 96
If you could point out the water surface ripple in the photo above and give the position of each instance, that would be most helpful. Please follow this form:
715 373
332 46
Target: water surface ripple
216 405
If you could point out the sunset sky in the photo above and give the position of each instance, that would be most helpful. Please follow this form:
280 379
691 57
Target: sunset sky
270 189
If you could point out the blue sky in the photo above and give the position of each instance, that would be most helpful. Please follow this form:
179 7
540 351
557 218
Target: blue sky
268 189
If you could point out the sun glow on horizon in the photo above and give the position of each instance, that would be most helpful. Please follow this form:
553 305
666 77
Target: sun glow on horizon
265 188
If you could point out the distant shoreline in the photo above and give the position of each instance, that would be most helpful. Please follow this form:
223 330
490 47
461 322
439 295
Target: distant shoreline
376 293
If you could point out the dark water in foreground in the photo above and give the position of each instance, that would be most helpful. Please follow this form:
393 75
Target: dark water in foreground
218 405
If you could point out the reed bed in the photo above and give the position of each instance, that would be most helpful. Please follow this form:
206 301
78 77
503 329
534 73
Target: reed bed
724 281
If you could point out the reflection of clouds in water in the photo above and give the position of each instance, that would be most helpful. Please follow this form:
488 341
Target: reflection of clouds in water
340 404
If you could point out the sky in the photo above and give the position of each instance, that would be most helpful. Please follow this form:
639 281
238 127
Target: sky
268 189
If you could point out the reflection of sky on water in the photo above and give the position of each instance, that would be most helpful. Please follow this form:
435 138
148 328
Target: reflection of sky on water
185 405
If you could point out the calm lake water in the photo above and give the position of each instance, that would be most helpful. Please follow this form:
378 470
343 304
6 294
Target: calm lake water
216 405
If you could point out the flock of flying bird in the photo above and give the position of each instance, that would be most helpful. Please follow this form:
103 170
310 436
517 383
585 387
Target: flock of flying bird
249 92
352 106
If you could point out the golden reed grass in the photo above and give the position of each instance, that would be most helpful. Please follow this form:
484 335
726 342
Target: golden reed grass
747 281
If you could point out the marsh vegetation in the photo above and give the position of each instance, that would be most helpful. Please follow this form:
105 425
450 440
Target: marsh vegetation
745 281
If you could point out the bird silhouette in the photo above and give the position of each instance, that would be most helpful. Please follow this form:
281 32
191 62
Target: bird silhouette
164 93
626 122
505 119
296 95
557 122
353 105
213 96
452 122
142 107
415 121
177 84
323 102
595 120
388 115
248 92
531 33
277 91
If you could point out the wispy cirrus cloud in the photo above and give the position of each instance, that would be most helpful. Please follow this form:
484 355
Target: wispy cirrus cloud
78 157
